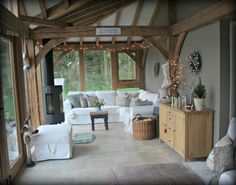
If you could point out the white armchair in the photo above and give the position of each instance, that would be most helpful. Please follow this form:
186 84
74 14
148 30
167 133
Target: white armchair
53 142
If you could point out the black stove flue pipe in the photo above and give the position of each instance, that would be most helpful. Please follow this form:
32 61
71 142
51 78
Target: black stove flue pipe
48 72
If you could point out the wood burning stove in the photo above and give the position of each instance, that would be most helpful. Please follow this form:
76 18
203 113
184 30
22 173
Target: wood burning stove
52 95
53 106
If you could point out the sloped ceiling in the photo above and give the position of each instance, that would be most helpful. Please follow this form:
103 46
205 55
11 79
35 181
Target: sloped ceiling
108 13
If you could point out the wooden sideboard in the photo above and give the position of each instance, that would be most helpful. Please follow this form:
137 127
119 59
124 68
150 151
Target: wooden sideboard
188 133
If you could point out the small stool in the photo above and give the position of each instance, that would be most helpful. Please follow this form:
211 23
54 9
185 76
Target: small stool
99 114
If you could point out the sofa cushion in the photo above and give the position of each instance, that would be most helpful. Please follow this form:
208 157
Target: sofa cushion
142 103
232 131
109 97
232 134
122 101
133 100
220 158
74 100
145 95
132 94
91 100
83 101
142 94
152 97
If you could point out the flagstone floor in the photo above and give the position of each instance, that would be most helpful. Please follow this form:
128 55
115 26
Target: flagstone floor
91 162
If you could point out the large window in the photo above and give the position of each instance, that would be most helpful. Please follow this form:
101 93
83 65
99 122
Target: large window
66 71
8 99
127 67
97 70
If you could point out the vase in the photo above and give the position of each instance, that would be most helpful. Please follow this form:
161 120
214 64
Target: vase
199 103
98 109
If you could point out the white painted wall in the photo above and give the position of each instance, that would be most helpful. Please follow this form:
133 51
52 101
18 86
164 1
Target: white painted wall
212 42
153 83
207 41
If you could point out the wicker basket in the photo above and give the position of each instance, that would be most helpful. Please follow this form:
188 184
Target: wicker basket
144 129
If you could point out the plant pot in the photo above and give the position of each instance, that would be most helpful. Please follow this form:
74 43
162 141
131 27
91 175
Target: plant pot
98 109
199 103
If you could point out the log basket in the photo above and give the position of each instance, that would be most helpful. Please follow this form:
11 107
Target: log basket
144 128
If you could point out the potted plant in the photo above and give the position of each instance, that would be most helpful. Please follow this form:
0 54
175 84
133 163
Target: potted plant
98 103
199 95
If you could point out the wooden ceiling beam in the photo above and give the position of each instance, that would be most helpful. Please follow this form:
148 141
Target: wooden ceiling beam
206 16
157 46
136 16
50 45
92 46
43 9
85 9
60 56
66 3
135 58
179 44
117 20
22 9
171 40
107 15
61 8
97 38
95 18
107 9
81 41
155 12
10 22
90 31
41 22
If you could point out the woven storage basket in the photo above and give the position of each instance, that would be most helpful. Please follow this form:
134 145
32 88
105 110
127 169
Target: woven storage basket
144 129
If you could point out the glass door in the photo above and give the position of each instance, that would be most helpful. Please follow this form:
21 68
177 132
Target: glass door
11 152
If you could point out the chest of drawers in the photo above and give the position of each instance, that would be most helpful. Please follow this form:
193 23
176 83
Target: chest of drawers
188 133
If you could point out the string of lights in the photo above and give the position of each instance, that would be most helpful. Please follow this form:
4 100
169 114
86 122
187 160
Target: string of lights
73 47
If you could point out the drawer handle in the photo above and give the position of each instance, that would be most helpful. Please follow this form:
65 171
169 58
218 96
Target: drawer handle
165 131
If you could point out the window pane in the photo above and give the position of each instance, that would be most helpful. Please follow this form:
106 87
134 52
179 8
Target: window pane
97 68
127 67
66 72
8 100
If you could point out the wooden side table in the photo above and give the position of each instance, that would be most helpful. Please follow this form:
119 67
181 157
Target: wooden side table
101 114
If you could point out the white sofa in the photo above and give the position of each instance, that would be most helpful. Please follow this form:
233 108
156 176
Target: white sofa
116 113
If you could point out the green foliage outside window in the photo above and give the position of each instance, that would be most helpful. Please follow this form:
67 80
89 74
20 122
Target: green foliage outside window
68 68
127 67
97 66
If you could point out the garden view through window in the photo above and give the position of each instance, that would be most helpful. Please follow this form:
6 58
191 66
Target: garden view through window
127 67
66 71
8 107
97 70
